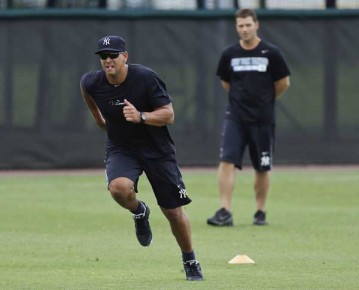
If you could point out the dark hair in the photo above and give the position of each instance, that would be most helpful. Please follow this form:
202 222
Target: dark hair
243 13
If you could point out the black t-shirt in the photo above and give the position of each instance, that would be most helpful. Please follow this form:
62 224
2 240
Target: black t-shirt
251 74
146 91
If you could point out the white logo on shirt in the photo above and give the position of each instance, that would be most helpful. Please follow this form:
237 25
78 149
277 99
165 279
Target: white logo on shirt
250 64
116 103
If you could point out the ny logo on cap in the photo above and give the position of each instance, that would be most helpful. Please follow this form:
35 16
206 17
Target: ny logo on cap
106 41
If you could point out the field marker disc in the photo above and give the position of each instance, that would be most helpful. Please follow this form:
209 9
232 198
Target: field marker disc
241 259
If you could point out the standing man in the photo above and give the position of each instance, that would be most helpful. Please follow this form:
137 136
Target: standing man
255 75
131 103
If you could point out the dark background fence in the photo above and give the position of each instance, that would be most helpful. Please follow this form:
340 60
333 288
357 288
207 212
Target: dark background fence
45 124
181 4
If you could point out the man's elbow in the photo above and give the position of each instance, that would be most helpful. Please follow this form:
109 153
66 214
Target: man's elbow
171 119
166 120
287 85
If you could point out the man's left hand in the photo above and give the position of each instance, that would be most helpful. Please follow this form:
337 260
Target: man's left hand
130 112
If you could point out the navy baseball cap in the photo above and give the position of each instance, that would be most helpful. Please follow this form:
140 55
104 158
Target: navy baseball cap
111 43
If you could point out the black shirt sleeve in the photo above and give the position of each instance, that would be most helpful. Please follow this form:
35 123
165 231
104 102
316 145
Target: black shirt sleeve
157 91
87 81
279 65
224 67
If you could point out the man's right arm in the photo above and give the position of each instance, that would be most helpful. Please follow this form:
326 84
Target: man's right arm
281 86
99 119
226 85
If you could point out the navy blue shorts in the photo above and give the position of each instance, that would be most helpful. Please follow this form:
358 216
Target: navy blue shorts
259 138
162 173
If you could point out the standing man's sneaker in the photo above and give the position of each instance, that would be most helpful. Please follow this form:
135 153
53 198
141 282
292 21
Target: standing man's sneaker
222 217
193 270
260 218
143 229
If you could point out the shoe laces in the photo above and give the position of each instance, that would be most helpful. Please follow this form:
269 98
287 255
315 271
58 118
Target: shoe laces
223 212
190 262
192 268
260 214
139 216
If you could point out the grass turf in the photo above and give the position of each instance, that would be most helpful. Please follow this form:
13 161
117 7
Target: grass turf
63 231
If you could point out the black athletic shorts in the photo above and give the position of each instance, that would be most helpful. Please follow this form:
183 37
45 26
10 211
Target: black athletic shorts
163 175
259 138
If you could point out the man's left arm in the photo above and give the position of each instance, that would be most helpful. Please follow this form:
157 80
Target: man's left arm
281 86
159 117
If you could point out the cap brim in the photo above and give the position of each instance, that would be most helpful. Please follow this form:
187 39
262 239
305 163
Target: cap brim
108 49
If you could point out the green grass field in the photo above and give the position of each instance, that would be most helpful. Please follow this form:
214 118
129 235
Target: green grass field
64 231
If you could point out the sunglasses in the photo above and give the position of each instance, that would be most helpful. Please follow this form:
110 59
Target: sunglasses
112 55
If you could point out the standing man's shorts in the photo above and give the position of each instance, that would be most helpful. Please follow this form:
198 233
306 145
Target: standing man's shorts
259 138
163 175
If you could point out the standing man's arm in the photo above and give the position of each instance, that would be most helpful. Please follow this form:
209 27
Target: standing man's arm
226 85
99 119
280 86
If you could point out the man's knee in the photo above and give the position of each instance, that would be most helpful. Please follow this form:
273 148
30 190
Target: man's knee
226 166
175 214
121 188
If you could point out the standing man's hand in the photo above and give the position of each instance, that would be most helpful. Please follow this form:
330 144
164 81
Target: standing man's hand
130 112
